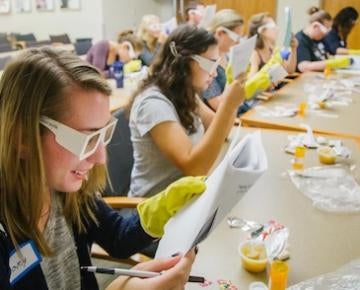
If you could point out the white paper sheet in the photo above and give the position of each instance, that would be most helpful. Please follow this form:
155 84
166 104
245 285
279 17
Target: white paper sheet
232 178
277 73
209 13
239 56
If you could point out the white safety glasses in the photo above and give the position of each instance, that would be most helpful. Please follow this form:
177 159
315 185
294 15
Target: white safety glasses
323 28
81 144
155 27
206 64
233 35
268 25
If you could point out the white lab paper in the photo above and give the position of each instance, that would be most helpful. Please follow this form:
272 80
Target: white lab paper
232 178
288 26
209 13
239 56
277 73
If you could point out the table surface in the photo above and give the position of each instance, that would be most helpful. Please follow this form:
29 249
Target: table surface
346 124
319 242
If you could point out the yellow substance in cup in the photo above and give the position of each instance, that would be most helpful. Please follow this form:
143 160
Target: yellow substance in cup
253 256
326 155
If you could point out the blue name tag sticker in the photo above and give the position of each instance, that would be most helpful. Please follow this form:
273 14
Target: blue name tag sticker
20 265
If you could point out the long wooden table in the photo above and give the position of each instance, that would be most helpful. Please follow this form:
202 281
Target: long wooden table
346 125
319 242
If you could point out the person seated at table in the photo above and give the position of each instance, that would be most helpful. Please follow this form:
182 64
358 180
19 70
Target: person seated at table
54 111
152 37
336 40
228 28
105 52
264 26
311 54
173 132
194 13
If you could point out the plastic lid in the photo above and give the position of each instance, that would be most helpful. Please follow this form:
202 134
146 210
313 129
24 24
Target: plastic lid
258 286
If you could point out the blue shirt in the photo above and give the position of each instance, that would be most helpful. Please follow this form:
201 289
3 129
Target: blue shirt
332 42
217 86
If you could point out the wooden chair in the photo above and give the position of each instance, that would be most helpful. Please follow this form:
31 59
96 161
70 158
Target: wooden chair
61 38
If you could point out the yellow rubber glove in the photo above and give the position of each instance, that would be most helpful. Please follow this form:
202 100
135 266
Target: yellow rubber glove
339 62
229 75
354 51
132 66
275 59
157 210
259 82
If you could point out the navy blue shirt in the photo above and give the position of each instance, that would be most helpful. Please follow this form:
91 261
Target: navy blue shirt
332 42
120 236
309 49
217 86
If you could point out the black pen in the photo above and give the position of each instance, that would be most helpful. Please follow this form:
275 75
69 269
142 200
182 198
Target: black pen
133 273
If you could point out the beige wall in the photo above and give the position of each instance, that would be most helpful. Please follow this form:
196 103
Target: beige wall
300 12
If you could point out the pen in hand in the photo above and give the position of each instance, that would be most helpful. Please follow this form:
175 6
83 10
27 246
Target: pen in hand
133 273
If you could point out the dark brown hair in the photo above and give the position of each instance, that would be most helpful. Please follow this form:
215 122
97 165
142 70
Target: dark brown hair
344 21
172 74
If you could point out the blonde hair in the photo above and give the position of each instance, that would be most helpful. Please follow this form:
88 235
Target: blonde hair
129 35
255 22
144 33
318 15
227 18
32 85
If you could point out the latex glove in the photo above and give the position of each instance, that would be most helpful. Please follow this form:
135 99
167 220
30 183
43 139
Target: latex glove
354 51
157 210
229 75
132 66
259 82
338 62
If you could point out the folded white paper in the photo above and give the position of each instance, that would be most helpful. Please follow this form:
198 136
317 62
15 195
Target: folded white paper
288 27
277 73
232 178
169 26
239 56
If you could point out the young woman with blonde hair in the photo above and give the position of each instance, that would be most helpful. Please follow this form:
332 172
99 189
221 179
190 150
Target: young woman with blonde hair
55 124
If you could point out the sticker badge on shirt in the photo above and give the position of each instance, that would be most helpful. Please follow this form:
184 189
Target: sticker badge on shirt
21 265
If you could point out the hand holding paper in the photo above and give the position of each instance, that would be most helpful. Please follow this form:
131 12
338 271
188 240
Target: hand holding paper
232 178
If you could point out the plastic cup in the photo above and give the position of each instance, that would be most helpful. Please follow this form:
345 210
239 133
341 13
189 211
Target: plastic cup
253 256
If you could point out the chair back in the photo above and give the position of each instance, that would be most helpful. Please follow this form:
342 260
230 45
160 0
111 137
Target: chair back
5 47
120 157
25 37
82 47
61 38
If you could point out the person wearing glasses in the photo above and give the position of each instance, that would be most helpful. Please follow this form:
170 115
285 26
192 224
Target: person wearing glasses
173 132
264 26
152 36
311 53
227 27
336 40
104 53
55 123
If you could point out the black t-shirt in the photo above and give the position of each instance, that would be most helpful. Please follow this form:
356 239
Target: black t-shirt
332 42
309 49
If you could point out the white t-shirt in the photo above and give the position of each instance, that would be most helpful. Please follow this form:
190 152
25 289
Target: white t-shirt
152 171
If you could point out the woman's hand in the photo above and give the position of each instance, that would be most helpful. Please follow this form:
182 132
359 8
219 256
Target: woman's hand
294 43
234 93
175 273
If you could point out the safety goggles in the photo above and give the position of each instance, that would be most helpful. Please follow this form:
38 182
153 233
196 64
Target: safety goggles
80 144
268 25
323 28
233 35
206 64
